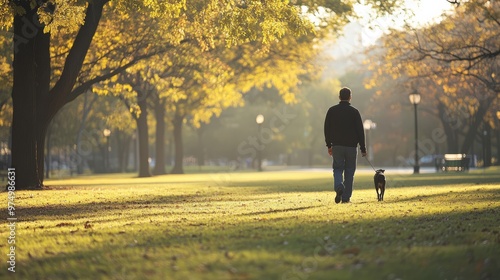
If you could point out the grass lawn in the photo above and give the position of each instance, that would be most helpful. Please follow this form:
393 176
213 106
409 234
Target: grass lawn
269 225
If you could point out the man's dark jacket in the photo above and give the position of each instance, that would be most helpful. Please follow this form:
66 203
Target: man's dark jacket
344 127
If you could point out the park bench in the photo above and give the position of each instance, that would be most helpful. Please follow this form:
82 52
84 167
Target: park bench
456 162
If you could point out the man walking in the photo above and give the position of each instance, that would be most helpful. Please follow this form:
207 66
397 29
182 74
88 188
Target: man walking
343 132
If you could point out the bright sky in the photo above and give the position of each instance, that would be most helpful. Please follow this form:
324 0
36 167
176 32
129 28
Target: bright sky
357 35
425 12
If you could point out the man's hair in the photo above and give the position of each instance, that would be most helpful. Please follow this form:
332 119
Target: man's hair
345 93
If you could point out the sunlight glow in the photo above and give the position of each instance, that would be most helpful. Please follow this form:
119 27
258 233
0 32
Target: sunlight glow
421 13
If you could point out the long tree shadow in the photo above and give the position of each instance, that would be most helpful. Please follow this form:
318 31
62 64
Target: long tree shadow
99 207
375 247
255 188
437 179
478 195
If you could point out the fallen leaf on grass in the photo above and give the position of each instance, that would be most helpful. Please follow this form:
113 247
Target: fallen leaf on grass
87 225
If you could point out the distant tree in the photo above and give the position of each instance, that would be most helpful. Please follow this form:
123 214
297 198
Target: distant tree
465 46
454 64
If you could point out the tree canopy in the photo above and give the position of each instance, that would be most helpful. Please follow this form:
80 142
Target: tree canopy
43 83
454 64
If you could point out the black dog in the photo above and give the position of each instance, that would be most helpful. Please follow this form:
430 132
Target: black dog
379 179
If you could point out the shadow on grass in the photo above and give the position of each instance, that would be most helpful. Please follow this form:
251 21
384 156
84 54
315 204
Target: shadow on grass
263 185
437 179
478 195
463 245
258 187
97 208
278 210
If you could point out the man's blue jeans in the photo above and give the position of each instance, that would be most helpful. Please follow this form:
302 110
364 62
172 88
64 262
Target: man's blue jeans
344 166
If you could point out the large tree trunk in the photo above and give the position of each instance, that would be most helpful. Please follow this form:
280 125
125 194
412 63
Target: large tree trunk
160 138
34 106
143 135
179 150
30 87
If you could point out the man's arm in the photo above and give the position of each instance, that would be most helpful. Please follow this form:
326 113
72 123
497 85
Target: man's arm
327 129
360 131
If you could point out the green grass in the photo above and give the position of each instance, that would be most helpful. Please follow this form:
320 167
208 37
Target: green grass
269 225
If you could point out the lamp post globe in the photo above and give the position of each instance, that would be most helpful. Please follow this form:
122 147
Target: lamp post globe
259 119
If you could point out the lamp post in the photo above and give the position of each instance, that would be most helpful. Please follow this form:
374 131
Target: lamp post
259 120
369 125
106 132
415 100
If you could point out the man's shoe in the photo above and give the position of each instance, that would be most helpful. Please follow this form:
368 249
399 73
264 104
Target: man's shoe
346 201
339 190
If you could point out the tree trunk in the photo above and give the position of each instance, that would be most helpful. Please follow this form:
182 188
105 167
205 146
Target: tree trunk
160 138
80 152
449 130
475 126
134 153
487 144
310 149
201 146
179 150
34 104
29 89
143 135
48 158
123 145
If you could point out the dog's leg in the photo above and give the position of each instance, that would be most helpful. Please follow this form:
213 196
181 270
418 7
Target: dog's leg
379 195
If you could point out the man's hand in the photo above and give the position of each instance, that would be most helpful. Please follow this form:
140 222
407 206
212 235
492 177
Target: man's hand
363 154
330 151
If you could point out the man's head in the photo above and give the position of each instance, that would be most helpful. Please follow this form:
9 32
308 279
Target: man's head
345 94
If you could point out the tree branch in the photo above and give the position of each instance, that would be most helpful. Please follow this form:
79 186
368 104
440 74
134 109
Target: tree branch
86 85
76 56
